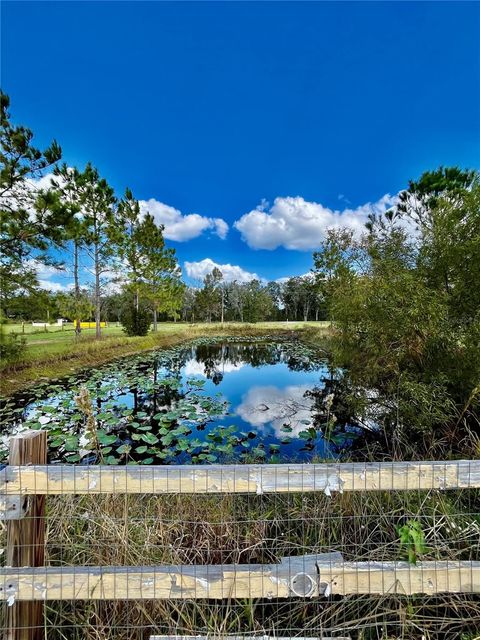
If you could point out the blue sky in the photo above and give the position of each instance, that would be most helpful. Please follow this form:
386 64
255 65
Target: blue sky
273 118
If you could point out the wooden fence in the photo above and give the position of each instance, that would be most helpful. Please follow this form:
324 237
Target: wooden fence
27 481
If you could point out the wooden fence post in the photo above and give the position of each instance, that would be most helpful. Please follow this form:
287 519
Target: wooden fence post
26 539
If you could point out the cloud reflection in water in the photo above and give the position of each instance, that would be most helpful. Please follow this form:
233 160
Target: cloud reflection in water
270 406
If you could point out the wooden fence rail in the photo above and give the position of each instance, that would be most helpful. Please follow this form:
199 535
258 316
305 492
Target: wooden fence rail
249 478
292 578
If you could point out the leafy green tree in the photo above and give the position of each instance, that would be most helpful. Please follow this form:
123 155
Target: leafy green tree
30 218
209 298
188 304
292 295
76 304
274 290
405 303
258 304
420 201
35 305
173 298
152 271
236 296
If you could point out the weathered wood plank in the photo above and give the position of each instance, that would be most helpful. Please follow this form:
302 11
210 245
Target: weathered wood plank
26 539
302 577
248 478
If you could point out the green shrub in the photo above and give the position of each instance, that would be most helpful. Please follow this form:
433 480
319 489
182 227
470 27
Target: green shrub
135 322
12 347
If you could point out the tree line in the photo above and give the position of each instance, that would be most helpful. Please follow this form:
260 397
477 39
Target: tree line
214 300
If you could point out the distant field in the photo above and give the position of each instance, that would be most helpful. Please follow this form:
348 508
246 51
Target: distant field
55 339
68 328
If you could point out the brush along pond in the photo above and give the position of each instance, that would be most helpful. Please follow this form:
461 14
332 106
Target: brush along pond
211 400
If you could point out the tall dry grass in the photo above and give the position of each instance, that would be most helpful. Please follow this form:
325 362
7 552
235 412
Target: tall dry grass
146 530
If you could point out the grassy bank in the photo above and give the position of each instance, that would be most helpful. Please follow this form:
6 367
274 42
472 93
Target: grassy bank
57 353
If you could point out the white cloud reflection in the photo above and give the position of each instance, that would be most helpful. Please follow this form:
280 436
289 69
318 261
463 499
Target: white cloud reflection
195 368
271 406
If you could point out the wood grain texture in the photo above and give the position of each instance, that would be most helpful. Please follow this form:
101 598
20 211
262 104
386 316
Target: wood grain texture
248 478
26 539
303 576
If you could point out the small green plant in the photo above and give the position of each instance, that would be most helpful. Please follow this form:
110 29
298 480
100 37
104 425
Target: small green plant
412 540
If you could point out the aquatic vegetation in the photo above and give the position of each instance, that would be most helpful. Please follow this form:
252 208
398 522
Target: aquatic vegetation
163 406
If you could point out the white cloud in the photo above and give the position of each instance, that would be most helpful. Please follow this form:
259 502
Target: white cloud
44 182
270 406
195 368
295 223
44 270
198 270
182 227
54 287
308 276
45 273
178 226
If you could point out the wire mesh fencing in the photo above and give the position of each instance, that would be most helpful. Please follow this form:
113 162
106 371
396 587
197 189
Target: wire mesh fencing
375 550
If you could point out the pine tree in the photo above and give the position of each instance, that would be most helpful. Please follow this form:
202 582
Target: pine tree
160 273
30 219
68 182
97 202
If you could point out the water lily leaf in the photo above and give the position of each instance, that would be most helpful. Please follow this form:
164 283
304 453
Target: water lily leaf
304 435
72 458
149 438
142 449
124 448
104 438
71 443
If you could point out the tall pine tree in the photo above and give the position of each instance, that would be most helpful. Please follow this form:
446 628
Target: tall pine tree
30 218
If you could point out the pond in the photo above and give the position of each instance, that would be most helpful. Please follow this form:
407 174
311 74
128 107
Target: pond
212 400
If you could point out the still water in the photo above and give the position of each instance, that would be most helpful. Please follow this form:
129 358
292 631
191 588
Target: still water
208 401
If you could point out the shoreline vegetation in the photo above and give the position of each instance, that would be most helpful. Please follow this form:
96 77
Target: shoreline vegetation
53 354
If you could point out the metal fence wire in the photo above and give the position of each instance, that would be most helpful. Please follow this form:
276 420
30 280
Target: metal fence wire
377 550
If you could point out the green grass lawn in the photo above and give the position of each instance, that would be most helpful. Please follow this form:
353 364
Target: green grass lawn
57 352
56 340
